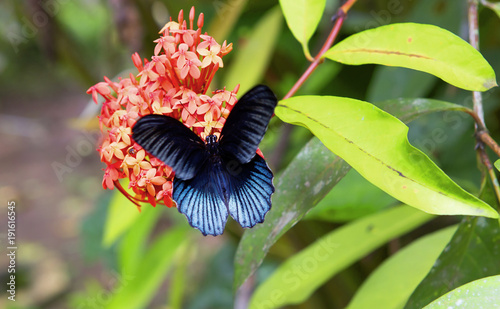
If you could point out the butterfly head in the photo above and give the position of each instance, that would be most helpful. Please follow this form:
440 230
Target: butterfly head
212 144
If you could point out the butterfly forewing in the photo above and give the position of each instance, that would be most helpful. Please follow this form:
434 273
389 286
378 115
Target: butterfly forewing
173 143
247 123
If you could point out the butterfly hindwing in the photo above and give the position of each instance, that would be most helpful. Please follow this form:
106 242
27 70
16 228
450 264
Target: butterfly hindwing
242 189
251 187
247 123
201 200
173 143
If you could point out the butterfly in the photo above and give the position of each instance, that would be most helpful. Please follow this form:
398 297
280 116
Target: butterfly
216 176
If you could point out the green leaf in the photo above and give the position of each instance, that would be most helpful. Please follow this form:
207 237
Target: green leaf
180 276
394 82
482 293
407 110
352 198
497 164
420 47
473 253
303 17
122 214
363 197
392 283
138 288
251 60
376 145
299 276
133 245
306 180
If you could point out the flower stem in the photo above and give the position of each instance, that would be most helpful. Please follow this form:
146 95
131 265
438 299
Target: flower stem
128 196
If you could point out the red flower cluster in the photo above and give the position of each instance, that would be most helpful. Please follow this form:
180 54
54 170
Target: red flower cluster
173 83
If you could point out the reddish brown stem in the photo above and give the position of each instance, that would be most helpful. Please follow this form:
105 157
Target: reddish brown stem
491 172
326 46
484 137
125 193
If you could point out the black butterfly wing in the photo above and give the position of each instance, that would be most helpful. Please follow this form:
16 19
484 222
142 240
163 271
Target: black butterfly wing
250 190
171 142
202 199
247 123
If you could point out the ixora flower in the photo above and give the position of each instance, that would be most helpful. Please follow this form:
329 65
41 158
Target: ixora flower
173 83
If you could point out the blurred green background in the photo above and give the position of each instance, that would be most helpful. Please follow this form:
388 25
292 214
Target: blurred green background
52 51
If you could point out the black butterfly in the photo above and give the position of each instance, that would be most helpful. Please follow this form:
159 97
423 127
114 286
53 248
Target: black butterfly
215 177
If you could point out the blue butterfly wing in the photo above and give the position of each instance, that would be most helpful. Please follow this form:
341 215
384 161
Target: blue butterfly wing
250 190
171 142
202 200
246 124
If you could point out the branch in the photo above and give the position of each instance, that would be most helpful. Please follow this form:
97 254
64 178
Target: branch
491 172
482 136
485 138
474 41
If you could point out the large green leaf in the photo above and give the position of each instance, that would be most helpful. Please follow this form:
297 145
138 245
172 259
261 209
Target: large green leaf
139 287
251 59
473 253
376 145
180 276
420 47
482 293
364 198
395 82
299 276
306 180
392 283
302 17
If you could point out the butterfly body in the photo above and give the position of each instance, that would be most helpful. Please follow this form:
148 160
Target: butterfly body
216 177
